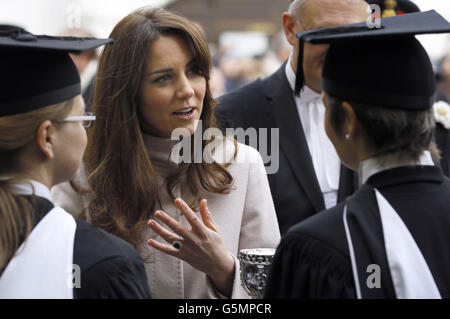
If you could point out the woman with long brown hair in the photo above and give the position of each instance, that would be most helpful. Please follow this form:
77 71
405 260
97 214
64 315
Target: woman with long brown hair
151 85
44 252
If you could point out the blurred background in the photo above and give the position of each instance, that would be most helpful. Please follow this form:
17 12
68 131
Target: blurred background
245 36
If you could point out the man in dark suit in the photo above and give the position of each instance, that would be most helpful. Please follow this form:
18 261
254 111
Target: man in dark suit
310 177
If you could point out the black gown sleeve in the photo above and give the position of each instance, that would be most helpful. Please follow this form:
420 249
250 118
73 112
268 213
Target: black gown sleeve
114 278
306 268
109 266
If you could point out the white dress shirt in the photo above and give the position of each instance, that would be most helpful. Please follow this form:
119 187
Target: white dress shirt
324 157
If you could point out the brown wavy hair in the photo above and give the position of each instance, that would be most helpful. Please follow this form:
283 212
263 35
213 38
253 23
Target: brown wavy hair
119 171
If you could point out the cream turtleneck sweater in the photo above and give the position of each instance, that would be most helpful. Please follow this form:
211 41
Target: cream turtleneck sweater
245 217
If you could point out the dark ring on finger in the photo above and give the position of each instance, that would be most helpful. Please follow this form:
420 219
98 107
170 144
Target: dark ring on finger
177 244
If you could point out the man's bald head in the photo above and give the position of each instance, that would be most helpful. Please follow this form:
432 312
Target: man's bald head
314 14
347 7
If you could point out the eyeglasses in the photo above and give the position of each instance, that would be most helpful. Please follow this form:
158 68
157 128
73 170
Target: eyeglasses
86 120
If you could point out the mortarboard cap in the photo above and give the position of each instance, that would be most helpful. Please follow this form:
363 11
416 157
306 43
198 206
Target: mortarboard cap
37 70
384 66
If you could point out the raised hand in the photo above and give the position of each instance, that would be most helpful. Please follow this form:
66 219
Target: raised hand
202 246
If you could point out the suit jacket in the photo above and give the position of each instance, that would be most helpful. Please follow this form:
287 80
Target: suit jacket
269 103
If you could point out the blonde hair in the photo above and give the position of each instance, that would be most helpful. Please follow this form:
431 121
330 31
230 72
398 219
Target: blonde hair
16 211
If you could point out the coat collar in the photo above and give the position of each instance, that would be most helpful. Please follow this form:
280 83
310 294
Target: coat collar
372 166
405 175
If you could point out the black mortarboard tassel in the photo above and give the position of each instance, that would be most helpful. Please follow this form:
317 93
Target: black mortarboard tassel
299 77
36 70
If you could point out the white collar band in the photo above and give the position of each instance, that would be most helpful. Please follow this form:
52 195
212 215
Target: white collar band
371 166
31 187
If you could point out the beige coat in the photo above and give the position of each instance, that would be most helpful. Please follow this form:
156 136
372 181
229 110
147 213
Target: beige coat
245 217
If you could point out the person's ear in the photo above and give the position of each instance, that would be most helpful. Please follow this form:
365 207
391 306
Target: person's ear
288 26
351 126
45 139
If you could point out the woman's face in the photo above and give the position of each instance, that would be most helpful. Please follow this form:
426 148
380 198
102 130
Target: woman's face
70 144
171 95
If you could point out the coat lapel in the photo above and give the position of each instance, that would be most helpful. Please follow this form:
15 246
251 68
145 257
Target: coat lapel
292 138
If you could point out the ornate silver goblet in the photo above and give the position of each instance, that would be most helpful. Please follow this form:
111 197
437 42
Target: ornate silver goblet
255 265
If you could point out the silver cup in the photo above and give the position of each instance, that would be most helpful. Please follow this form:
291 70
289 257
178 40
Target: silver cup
255 265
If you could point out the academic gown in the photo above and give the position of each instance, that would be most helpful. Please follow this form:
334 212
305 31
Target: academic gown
313 261
110 267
